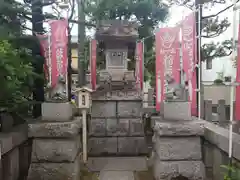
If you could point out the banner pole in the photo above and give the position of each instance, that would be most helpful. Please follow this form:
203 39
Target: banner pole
232 85
199 61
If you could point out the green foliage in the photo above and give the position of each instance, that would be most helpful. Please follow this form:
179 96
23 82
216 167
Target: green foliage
232 173
218 81
16 71
15 75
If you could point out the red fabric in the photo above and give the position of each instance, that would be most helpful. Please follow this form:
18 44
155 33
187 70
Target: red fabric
167 60
237 103
93 64
189 57
59 42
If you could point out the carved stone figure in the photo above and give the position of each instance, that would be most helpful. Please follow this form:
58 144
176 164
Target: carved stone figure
59 92
175 91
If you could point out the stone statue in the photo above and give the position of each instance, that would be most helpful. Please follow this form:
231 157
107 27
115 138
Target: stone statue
59 92
175 91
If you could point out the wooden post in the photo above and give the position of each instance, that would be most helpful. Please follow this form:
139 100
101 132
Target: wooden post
221 110
208 110
84 134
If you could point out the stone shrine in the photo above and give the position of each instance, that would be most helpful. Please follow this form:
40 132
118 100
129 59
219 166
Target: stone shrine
116 126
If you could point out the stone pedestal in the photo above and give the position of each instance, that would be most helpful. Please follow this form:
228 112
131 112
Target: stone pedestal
56 144
177 150
177 110
116 127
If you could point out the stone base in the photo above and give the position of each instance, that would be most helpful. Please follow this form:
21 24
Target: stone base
167 170
177 150
55 171
121 146
181 148
57 111
177 110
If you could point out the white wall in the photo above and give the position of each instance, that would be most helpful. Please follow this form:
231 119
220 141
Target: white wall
223 64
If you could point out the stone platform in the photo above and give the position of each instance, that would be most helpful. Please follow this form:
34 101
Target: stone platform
116 127
177 149
56 144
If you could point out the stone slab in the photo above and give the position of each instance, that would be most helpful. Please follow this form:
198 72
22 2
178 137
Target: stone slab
103 109
55 150
132 146
102 146
55 171
97 127
218 136
172 148
136 127
167 170
10 165
10 140
177 111
57 111
129 109
179 128
55 129
119 95
117 127
97 164
116 175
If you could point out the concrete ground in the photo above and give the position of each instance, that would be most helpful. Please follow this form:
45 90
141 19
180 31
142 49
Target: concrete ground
117 168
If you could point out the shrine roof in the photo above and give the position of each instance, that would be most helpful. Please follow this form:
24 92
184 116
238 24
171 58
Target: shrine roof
117 29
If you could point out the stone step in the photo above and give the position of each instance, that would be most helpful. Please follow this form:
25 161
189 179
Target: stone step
98 164
116 175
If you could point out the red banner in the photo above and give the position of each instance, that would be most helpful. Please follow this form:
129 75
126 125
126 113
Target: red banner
139 65
167 60
93 63
59 42
189 58
237 93
44 43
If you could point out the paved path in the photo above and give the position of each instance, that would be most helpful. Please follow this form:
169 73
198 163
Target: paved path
119 168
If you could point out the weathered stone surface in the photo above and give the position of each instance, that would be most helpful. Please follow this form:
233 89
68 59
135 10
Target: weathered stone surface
132 146
104 109
177 111
129 109
55 171
55 129
102 146
97 127
218 136
57 111
136 127
119 95
14 138
116 175
166 170
55 150
10 165
24 159
117 127
185 148
97 164
179 128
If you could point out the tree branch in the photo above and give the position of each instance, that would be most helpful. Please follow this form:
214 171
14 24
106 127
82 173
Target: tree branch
223 10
